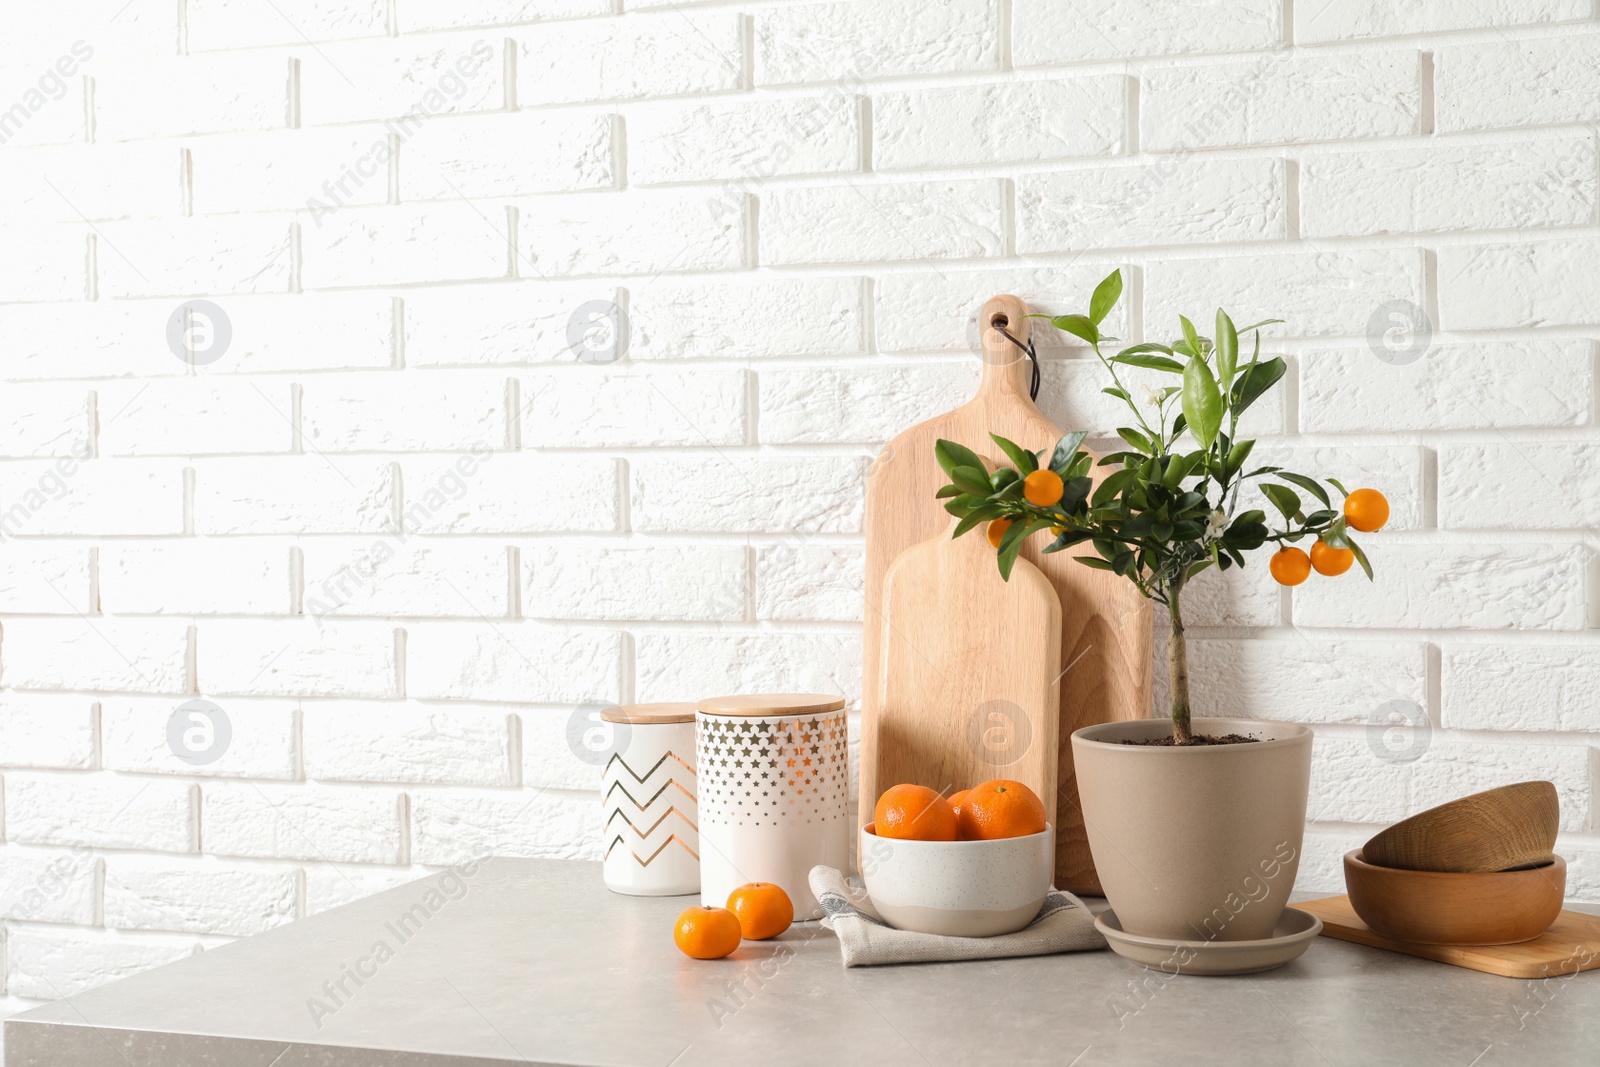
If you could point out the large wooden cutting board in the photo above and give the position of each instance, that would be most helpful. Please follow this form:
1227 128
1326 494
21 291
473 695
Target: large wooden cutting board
949 712
1106 628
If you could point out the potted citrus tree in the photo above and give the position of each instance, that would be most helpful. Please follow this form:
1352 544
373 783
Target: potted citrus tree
1195 823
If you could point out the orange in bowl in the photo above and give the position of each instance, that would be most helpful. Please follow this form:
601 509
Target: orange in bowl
914 813
1000 809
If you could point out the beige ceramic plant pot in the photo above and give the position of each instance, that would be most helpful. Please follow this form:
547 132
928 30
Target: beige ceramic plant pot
1195 843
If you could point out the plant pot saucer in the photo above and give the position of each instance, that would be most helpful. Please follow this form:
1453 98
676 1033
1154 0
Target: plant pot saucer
1291 937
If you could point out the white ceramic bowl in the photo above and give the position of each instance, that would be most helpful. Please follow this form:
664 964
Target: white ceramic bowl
959 888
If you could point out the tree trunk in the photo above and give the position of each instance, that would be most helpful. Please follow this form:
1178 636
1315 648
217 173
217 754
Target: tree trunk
1178 667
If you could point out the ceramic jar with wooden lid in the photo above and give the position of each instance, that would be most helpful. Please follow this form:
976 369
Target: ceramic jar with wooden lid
774 778
648 790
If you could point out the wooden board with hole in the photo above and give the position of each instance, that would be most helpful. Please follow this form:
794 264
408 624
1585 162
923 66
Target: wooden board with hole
1106 624
949 712
1571 945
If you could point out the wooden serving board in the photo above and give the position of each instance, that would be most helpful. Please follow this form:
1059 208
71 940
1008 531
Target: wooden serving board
1105 623
1572 943
968 686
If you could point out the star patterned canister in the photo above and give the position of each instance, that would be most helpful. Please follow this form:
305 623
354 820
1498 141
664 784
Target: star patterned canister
774 777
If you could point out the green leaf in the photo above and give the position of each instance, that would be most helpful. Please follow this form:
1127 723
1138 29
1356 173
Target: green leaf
1067 540
1196 567
1179 468
1078 326
1113 485
951 455
1339 486
963 506
1283 498
1105 297
1258 325
1308 484
1227 349
1337 536
1257 379
1190 336
947 492
1120 394
1150 363
1361 558
972 480
1011 544
1202 400
1245 535
1136 439
966 524
1237 455
1066 449
1020 457
1094 561
1146 346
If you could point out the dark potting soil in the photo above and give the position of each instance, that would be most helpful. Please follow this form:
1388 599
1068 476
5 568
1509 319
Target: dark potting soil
1197 741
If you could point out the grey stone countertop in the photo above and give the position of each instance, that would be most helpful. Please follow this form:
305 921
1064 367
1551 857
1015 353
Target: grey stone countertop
534 961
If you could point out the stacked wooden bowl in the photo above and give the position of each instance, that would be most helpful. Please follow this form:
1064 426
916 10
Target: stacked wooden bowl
1477 871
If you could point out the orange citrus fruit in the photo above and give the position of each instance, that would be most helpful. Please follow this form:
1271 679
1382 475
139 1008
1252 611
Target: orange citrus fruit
1290 566
764 910
996 530
956 800
706 933
914 813
1330 560
1042 488
1366 510
1001 808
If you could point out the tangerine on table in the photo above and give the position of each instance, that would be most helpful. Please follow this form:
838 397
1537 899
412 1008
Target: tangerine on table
996 530
706 933
1042 488
1001 808
1290 566
913 813
1366 510
764 910
1330 560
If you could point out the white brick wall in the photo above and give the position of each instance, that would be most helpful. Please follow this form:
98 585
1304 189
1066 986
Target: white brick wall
403 535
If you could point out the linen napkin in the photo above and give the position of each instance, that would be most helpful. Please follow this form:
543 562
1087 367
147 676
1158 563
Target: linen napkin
1063 924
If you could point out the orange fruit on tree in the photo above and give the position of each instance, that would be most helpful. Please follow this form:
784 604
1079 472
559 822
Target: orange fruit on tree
913 813
1366 510
764 910
1042 488
1290 566
1330 560
1001 808
706 933
996 530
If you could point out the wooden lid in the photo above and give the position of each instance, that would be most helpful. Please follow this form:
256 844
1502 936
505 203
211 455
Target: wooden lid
649 714
772 704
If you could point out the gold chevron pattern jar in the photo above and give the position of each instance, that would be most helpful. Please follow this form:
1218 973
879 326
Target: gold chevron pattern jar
774 777
648 792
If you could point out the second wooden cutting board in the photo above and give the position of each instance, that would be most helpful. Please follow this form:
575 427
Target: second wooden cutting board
1106 625
951 713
